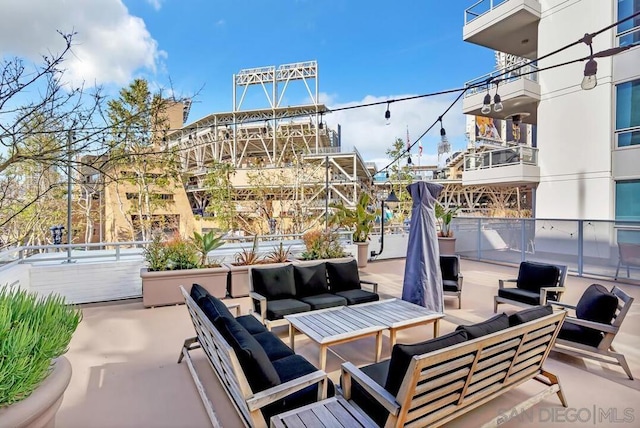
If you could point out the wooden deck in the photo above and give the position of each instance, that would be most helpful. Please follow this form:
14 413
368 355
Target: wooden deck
125 372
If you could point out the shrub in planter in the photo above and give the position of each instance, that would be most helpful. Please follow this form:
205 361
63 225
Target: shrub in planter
183 262
321 245
34 331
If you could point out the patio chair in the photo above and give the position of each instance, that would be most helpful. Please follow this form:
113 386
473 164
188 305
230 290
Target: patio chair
628 256
451 277
591 332
536 283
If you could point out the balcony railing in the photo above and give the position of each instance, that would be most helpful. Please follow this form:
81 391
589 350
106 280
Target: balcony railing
524 155
509 74
480 8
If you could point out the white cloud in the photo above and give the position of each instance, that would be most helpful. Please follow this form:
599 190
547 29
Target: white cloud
220 22
366 128
109 47
157 4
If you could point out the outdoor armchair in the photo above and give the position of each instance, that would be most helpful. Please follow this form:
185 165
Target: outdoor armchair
451 276
598 317
536 283
628 256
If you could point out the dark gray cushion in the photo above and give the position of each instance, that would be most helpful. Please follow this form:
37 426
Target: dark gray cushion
274 283
324 301
355 297
378 373
449 268
198 292
214 308
493 324
251 324
519 295
580 334
532 276
273 346
311 280
343 276
597 304
289 368
253 359
530 314
277 309
401 356
449 285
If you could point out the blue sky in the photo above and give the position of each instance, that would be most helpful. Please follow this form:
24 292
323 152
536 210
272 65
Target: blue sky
366 51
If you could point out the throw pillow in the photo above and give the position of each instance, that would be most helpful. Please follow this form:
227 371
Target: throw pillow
530 314
311 280
401 356
343 276
254 361
496 323
597 304
274 283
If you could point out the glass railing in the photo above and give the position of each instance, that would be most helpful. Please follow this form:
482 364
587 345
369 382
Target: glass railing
519 70
480 8
501 157
587 247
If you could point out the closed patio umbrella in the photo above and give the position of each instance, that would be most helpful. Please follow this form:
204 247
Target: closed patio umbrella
422 277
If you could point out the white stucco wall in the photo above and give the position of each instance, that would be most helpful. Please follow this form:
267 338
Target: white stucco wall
575 127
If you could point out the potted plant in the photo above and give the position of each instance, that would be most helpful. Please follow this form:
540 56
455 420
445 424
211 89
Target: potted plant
321 245
34 335
239 269
180 261
361 220
446 240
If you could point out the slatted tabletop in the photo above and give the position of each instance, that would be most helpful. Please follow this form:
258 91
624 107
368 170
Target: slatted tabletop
332 412
346 323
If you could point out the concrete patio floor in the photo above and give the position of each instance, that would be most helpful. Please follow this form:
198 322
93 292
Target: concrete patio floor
125 373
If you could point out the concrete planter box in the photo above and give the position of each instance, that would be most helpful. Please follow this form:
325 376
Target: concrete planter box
447 245
161 288
239 277
315 262
39 409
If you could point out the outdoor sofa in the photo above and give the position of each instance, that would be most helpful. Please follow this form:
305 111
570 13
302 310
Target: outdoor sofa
296 288
433 382
261 375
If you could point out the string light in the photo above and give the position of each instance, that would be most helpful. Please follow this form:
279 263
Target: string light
497 101
321 125
486 103
387 114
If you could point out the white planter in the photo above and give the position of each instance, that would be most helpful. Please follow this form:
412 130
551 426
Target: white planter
162 288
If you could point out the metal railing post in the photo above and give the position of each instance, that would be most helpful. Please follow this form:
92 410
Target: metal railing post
580 247
117 252
479 239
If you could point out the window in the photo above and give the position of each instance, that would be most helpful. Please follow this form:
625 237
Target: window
628 113
628 31
628 200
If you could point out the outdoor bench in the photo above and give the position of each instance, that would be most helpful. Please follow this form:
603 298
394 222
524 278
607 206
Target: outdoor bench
296 288
434 382
261 375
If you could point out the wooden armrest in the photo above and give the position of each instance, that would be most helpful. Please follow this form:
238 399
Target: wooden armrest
263 304
278 392
562 305
373 284
591 324
380 394
502 281
235 306
545 290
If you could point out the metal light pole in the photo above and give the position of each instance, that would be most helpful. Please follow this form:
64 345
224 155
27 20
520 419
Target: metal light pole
392 200
69 234
326 190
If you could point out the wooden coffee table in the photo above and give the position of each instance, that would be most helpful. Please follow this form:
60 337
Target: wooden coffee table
397 314
333 326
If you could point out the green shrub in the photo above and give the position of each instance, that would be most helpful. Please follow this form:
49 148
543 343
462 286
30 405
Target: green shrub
33 331
321 245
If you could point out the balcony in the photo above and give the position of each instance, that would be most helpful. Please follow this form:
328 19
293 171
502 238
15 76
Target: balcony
519 91
509 26
515 166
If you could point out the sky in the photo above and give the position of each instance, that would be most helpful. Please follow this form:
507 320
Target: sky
367 50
